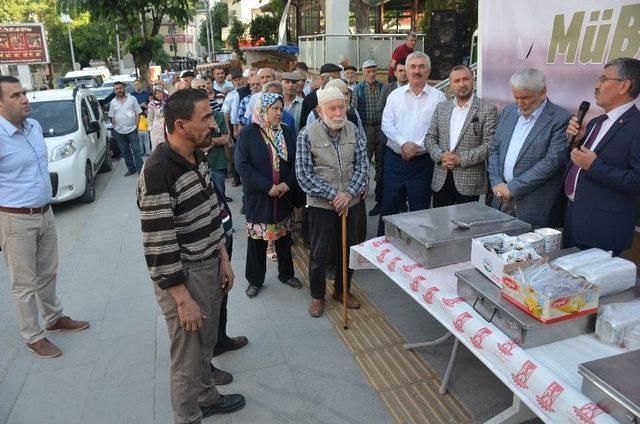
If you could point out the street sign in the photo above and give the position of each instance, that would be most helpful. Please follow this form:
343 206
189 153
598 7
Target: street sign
23 44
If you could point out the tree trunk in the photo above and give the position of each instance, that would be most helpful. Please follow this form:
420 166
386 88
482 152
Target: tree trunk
141 59
362 17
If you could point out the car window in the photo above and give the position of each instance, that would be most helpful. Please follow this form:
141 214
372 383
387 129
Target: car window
95 107
84 113
55 117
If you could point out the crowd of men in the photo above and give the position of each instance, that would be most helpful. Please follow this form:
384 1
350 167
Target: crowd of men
427 151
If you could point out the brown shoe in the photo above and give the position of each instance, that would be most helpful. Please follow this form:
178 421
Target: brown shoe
352 302
44 348
316 309
67 324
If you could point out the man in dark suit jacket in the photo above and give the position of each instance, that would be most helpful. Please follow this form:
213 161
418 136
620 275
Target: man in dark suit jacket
528 153
602 181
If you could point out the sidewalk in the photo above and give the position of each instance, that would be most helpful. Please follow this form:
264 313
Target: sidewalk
295 369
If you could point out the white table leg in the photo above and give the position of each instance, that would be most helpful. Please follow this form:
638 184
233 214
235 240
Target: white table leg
517 413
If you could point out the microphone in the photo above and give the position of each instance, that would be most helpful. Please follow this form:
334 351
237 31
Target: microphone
582 111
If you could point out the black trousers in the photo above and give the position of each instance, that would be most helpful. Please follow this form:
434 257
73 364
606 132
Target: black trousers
222 322
325 239
448 194
256 267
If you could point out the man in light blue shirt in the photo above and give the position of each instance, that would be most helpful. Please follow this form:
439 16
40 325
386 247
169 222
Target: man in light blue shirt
528 152
27 229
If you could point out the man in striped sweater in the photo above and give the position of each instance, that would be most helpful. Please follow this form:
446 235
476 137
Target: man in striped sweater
184 246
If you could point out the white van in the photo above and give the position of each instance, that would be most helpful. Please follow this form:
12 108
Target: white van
73 128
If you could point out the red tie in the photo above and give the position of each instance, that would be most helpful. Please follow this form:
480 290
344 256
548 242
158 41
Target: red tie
572 176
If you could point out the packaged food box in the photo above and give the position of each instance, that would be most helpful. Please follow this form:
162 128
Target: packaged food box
552 295
492 264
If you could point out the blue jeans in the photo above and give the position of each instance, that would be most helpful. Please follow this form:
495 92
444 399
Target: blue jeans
130 149
218 176
404 181
145 142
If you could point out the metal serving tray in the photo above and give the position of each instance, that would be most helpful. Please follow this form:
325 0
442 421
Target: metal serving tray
431 239
485 297
613 384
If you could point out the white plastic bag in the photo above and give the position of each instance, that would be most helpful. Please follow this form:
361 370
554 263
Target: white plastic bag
575 260
632 337
614 319
612 275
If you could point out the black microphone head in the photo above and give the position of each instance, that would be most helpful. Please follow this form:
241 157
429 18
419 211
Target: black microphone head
583 109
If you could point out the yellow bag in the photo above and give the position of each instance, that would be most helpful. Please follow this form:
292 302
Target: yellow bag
143 124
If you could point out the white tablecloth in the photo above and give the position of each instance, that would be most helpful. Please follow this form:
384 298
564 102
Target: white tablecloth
536 377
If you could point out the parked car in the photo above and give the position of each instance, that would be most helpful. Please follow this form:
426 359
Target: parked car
73 128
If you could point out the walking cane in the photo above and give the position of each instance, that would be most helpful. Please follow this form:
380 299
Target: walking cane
344 271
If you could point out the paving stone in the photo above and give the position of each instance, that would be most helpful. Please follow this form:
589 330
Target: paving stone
124 360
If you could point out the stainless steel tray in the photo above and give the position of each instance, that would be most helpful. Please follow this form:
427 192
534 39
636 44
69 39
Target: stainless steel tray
431 239
485 297
613 384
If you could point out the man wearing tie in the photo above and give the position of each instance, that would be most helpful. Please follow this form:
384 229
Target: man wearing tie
529 151
602 181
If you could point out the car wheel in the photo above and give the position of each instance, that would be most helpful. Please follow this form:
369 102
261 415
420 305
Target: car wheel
107 164
89 194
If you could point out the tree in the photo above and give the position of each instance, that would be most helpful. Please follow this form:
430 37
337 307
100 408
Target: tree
140 19
236 31
265 26
219 18
362 10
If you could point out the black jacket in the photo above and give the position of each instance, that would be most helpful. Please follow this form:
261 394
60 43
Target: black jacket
253 162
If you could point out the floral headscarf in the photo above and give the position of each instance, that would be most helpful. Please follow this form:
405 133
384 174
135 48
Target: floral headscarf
273 132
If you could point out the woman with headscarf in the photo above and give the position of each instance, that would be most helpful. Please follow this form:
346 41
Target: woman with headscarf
155 116
265 160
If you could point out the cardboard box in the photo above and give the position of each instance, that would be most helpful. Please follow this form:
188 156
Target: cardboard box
544 308
488 262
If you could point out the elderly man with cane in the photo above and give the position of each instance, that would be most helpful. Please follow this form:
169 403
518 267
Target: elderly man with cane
332 168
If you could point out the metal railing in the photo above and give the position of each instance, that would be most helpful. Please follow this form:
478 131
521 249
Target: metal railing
361 47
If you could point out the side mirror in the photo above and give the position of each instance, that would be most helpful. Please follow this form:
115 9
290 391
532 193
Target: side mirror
94 127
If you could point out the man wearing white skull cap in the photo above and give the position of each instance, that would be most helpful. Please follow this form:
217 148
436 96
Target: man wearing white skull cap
332 168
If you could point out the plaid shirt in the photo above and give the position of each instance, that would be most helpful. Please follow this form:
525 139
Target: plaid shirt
314 186
371 94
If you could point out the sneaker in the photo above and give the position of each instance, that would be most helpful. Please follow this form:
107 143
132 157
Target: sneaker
44 348
67 324
128 173
226 403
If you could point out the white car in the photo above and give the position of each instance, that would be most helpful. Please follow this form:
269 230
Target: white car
73 128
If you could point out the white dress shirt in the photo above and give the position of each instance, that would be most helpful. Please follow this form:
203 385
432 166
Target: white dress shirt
458 116
612 116
519 135
226 87
230 105
406 117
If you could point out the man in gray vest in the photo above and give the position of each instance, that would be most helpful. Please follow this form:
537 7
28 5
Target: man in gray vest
332 168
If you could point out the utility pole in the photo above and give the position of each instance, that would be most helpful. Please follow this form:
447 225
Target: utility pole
206 25
66 19
120 64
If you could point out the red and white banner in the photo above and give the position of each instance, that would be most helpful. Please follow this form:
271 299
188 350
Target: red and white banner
569 40
545 393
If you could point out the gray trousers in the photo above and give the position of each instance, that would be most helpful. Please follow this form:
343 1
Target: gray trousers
30 247
191 382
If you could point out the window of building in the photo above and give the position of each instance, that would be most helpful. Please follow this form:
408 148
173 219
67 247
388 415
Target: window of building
171 30
311 17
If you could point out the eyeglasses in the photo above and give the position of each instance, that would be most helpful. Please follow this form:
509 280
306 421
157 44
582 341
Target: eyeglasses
602 79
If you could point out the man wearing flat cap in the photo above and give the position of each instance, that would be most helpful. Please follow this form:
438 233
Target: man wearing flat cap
368 93
292 102
328 71
332 168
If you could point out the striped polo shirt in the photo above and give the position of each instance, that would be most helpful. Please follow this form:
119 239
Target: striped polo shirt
179 212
